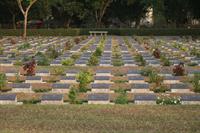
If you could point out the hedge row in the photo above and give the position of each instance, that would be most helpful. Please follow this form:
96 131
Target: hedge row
119 31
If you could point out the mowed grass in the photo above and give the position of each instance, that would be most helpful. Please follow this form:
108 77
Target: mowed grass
99 119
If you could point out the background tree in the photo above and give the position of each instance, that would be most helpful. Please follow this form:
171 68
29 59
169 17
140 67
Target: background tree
11 6
66 11
101 13
158 13
25 6
130 11
99 8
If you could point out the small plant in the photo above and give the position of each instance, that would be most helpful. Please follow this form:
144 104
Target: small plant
41 90
165 61
146 71
42 60
58 71
18 63
98 52
72 95
31 101
167 100
93 61
179 70
2 81
52 79
29 67
154 78
118 62
17 78
24 46
160 89
84 78
140 59
120 81
26 58
68 45
1 50
52 52
195 82
122 98
156 53
77 40
192 64
75 56
195 52
13 41
68 62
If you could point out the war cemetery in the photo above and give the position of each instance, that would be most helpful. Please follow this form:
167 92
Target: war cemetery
88 67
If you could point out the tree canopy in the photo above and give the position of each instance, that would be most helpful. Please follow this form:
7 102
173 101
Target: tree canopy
102 13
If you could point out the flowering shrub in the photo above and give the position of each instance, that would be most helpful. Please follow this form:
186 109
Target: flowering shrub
168 100
77 40
13 41
68 45
179 70
29 67
156 53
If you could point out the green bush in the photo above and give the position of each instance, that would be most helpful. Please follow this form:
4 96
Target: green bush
24 46
42 60
160 89
93 61
154 78
41 90
17 79
68 62
98 52
1 50
195 52
18 63
2 81
165 61
58 71
52 52
75 56
32 101
192 64
111 31
146 71
122 98
26 58
84 78
72 95
140 60
117 62
195 82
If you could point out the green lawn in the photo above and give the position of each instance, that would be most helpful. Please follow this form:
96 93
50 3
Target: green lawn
100 119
